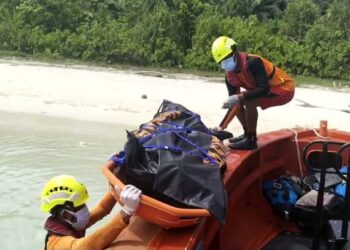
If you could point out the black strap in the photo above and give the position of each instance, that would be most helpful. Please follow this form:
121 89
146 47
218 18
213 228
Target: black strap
272 73
47 239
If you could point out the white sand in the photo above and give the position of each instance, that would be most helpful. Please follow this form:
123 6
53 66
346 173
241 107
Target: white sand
114 96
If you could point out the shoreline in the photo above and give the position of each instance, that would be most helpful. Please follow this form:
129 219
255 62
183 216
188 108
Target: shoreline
114 96
337 85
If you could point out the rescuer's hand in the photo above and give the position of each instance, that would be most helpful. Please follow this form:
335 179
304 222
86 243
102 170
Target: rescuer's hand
130 196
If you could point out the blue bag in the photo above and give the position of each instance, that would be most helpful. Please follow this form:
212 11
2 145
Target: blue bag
280 192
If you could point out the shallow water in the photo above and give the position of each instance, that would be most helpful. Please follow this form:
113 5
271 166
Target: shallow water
35 148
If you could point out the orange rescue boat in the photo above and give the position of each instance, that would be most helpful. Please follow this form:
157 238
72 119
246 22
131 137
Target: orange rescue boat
251 221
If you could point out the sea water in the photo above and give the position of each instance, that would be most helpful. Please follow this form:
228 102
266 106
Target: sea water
33 149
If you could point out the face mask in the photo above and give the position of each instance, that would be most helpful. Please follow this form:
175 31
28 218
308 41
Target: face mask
82 217
228 64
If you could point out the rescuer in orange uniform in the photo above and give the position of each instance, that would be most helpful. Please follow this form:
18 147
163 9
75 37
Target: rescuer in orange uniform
266 86
65 198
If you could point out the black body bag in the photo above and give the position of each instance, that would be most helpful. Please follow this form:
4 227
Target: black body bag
176 159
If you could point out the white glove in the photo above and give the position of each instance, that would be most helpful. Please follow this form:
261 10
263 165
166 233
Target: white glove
130 196
230 102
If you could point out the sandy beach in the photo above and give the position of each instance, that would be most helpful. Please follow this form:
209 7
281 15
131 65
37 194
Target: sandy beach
115 96
57 119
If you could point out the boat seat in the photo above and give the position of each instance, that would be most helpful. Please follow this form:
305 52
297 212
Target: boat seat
338 230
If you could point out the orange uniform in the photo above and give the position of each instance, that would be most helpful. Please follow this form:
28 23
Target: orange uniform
262 80
100 239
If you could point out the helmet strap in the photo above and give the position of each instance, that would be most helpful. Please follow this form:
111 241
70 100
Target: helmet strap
237 60
234 48
67 216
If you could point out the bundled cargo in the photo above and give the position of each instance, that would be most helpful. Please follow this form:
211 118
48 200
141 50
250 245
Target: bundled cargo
176 159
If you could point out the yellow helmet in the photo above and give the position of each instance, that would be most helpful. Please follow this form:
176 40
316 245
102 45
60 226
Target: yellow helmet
60 189
222 47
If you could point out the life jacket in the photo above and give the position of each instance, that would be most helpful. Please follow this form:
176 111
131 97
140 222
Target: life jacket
55 227
277 78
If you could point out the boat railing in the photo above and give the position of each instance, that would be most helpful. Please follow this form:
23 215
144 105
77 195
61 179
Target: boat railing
345 176
328 167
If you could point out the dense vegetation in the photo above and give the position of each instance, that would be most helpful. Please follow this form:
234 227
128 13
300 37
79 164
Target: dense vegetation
306 37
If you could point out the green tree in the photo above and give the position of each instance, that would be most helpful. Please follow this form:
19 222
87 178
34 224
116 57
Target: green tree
266 9
50 15
328 44
338 16
7 29
10 5
156 31
323 5
303 37
299 17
